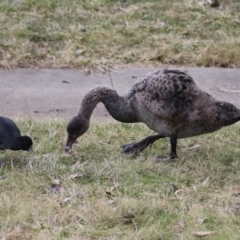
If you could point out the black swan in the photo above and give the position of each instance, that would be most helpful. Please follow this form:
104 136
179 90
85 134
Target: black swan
167 101
10 136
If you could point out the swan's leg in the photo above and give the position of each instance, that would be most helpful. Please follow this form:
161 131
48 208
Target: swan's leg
173 153
136 147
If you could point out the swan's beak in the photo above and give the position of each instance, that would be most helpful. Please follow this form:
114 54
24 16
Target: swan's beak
70 141
31 150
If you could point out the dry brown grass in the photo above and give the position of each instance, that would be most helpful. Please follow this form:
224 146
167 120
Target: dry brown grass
101 34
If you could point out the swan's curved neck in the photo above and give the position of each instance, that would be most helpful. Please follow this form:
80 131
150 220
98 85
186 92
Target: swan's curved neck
120 108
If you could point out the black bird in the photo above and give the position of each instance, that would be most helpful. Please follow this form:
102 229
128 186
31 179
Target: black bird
168 102
10 137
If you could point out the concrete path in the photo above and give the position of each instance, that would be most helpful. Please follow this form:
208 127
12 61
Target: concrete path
58 92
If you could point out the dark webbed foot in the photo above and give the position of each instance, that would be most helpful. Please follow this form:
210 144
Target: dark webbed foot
173 154
133 148
136 147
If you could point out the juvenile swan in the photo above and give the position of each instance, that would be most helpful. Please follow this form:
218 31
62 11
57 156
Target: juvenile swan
168 102
10 136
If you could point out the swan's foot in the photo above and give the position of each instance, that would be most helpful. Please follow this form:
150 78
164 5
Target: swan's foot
136 147
166 159
133 148
173 154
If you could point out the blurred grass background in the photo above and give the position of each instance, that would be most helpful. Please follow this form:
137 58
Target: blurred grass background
100 34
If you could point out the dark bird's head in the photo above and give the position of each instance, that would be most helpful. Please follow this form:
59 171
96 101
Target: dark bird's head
76 127
25 143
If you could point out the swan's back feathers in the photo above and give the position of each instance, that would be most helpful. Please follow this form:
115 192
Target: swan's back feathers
163 84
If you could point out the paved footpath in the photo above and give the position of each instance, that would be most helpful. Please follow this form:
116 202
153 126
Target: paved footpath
58 92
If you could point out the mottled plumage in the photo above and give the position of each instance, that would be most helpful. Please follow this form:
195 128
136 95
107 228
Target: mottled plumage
167 101
10 136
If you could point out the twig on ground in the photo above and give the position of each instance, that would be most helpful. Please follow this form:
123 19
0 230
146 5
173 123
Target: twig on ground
72 154
227 90
110 77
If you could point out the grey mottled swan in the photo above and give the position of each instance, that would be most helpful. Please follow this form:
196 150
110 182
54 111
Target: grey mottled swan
10 136
167 101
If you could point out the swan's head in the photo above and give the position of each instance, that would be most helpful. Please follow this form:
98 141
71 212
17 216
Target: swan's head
76 127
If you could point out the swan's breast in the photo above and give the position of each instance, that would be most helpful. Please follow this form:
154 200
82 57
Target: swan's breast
160 126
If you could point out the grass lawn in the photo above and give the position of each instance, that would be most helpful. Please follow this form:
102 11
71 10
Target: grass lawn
97 192
106 195
101 34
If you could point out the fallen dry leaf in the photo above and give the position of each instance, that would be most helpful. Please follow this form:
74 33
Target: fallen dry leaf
206 182
201 220
236 191
56 187
179 192
74 176
195 146
203 233
109 194
184 191
67 199
111 202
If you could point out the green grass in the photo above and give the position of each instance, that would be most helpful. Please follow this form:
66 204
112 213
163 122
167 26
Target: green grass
108 195
101 34
115 196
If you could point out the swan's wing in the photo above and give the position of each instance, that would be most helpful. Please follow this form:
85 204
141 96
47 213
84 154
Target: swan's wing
164 95
162 84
